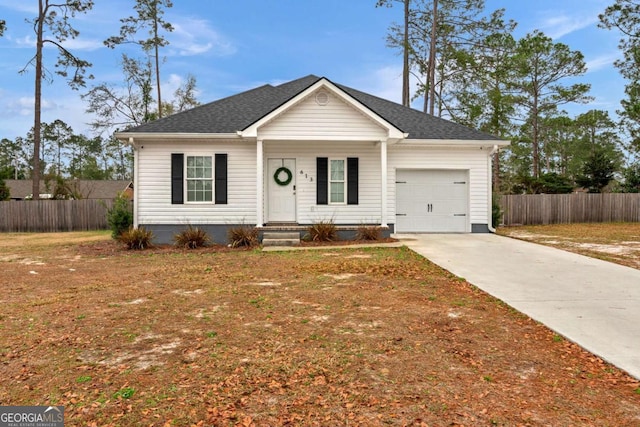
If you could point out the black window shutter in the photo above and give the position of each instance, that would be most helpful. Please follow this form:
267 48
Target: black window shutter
322 176
221 179
177 178
352 180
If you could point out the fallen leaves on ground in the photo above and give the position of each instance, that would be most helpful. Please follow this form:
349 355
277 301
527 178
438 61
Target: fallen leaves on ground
244 338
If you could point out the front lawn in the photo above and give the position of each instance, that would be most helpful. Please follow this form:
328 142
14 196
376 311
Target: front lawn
242 337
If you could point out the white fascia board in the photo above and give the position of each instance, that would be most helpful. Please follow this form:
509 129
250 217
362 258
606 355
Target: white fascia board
138 136
393 132
324 139
454 143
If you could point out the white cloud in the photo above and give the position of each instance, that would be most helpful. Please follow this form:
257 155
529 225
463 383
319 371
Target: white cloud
23 105
601 62
26 41
567 16
558 26
174 83
29 41
83 44
193 36
169 87
18 115
65 106
385 82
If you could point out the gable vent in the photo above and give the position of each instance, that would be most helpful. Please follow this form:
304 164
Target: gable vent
322 98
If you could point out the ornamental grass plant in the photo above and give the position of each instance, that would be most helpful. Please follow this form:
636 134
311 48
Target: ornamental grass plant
136 238
192 238
243 236
323 231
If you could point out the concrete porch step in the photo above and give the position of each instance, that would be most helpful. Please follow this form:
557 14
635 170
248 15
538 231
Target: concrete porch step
280 238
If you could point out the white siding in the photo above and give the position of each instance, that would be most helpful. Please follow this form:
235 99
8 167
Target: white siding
336 120
154 180
474 160
154 184
368 208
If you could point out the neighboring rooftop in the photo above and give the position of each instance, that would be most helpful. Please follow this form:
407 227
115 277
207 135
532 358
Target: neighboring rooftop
237 112
20 189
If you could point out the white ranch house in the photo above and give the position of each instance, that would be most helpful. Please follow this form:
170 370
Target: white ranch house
305 151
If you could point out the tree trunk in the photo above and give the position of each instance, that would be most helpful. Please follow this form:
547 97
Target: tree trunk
535 148
496 129
496 171
405 68
37 113
155 35
59 137
425 105
432 59
534 139
440 91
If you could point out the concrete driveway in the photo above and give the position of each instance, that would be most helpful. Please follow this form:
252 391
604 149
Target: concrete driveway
593 303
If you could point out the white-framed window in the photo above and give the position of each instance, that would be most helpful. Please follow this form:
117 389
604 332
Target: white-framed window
199 178
337 181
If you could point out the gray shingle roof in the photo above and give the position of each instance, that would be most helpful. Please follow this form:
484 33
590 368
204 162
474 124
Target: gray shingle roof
237 112
89 189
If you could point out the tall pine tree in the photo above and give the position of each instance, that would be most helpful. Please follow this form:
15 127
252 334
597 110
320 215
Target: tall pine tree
54 19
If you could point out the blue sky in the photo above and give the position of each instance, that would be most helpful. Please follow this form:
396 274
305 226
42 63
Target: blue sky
232 46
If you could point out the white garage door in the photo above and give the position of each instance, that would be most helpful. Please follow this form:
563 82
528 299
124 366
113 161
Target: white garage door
432 201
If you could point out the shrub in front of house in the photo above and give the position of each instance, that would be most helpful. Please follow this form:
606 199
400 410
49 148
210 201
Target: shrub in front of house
496 211
323 231
368 232
192 238
136 238
120 216
5 194
243 236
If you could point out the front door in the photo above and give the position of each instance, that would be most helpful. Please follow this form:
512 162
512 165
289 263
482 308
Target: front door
281 179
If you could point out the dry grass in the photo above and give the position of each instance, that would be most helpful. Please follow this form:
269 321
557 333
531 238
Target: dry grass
219 336
615 242
28 242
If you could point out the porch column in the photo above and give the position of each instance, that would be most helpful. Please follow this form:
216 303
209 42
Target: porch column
259 184
383 183
136 175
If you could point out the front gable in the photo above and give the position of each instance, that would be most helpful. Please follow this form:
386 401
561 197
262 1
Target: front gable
323 112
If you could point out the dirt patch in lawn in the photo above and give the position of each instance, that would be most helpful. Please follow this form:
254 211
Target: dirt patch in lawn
615 242
368 336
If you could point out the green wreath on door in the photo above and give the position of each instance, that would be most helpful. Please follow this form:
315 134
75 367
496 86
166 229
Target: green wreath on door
276 176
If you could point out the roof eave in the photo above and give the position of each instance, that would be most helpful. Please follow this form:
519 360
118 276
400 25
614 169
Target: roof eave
126 136
454 142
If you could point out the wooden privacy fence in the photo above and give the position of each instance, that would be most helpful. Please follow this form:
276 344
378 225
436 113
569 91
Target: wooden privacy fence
54 215
531 209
